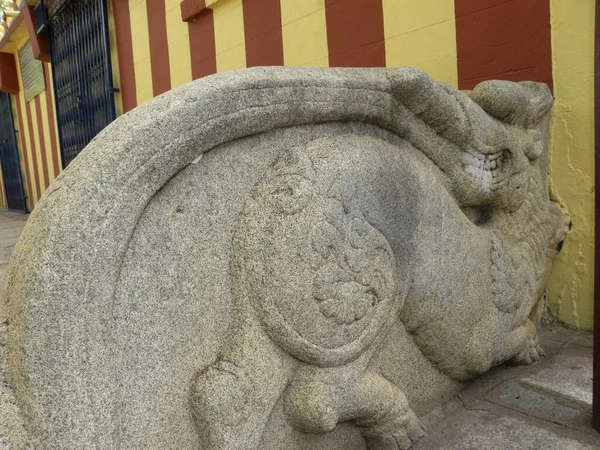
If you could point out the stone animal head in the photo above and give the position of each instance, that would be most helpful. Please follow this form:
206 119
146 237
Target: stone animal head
491 135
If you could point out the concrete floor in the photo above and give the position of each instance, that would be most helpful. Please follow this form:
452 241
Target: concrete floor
11 225
544 406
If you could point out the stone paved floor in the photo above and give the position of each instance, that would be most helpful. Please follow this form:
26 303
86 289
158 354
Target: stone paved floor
11 225
545 406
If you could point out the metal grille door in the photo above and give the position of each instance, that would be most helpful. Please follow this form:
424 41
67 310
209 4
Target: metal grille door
9 157
79 50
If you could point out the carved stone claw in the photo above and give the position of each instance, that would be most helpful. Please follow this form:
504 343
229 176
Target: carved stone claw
394 442
529 355
531 352
399 440
320 398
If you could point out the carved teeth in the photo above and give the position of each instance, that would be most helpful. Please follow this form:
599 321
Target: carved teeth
482 166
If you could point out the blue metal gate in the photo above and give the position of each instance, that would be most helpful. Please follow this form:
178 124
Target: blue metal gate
9 157
80 55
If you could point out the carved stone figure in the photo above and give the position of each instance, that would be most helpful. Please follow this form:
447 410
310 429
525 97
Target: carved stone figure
283 258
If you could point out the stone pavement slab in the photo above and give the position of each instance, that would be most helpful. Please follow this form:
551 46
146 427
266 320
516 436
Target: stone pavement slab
486 430
542 406
571 378
11 225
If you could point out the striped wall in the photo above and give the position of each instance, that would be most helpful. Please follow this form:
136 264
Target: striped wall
37 138
460 42
572 156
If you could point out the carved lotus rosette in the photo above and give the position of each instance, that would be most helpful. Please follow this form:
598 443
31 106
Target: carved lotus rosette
321 278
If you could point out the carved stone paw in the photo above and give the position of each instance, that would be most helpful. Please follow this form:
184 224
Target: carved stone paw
531 351
319 399
402 439
530 354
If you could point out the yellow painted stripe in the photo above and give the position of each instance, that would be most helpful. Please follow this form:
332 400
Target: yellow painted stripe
140 42
422 34
57 138
178 36
114 56
571 287
20 149
3 199
30 172
38 150
47 139
304 33
230 43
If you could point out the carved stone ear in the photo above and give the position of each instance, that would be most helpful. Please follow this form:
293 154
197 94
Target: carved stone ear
524 103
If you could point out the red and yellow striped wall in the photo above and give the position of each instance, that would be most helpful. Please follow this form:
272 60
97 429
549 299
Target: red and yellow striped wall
460 42
157 45
37 138
34 120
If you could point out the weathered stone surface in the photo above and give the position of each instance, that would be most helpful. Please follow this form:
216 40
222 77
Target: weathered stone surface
13 435
537 404
307 257
570 380
540 418
482 430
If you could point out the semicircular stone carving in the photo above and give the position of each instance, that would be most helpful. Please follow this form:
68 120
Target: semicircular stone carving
283 258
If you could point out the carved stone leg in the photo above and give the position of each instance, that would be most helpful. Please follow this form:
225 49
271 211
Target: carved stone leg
232 399
521 346
319 398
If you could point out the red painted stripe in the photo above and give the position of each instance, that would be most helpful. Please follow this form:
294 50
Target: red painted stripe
355 33
23 147
38 116
159 46
191 8
50 112
503 39
202 44
125 54
36 175
262 30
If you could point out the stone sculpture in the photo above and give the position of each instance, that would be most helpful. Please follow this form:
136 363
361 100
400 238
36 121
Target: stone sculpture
283 258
